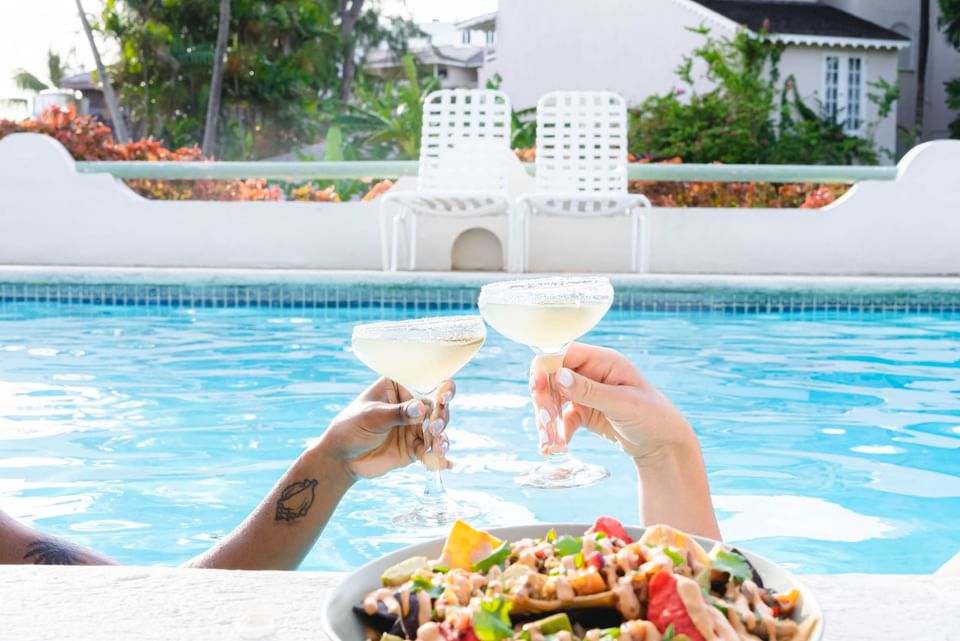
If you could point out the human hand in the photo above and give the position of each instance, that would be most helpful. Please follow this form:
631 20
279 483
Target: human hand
609 397
385 428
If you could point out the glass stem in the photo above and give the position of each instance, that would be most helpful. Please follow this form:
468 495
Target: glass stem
560 441
433 492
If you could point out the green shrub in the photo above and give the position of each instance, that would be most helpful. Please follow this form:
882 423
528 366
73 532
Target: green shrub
749 116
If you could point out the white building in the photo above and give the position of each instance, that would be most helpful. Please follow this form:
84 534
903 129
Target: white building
453 52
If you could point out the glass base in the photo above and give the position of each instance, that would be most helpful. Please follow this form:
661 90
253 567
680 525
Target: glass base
435 513
562 471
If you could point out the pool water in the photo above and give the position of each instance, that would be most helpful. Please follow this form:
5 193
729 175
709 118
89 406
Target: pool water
148 432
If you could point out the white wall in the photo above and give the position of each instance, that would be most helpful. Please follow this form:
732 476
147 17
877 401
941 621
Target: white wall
807 65
50 215
629 46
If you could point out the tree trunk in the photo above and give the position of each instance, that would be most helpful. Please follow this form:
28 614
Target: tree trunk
119 127
348 18
216 82
923 47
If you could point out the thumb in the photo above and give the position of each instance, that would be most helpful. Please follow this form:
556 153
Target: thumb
586 391
384 416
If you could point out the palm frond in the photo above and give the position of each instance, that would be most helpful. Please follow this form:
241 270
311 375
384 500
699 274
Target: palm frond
28 82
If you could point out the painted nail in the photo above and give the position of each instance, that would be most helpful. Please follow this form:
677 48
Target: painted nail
543 437
565 377
533 382
447 397
544 416
444 447
413 410
436 427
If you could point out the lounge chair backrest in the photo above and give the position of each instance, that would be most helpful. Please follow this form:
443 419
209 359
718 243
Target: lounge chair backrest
581 142
465 141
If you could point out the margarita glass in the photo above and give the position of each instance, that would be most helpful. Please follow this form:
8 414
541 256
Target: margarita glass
547 314
420 355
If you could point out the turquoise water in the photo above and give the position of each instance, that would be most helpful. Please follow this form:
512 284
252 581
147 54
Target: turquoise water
148 432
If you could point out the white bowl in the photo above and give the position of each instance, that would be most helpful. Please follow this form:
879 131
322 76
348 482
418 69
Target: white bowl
341 624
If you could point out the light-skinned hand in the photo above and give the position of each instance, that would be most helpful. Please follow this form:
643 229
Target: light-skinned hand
611 398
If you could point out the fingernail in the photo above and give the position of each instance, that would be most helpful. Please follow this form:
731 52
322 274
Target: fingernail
413 410
543 437
533 382
444 447
447 397
565 377
544 416
436 427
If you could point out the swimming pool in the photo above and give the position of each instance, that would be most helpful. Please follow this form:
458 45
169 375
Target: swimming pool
830 426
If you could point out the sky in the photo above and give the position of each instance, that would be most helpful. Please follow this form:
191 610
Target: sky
28 28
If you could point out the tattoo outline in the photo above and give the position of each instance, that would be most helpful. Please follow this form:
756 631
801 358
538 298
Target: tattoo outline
50 552
295 500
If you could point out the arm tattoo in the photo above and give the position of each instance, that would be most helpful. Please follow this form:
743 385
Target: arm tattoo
295 500
50 552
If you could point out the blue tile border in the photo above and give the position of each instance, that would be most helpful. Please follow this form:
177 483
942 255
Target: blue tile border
427 298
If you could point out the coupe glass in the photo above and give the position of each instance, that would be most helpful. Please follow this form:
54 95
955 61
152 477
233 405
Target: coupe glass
547 314
420 355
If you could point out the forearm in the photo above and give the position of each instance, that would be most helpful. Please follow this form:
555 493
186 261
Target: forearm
674 491
20 544
280 532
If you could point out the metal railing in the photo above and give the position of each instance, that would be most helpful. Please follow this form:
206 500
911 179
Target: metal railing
296 171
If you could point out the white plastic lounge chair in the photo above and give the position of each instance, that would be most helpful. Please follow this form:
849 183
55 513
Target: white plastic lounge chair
464 154
582 166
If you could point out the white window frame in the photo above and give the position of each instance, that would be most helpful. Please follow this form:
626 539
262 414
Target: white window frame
843 89
465 37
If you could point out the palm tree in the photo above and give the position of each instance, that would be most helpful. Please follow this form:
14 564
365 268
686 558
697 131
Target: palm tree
119 127
56 70
216 82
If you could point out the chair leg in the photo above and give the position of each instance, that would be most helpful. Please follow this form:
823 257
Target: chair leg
399 222
525 243
385 240
412 241
635 239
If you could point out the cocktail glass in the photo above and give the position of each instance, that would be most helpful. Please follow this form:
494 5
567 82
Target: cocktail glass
420 355
547 314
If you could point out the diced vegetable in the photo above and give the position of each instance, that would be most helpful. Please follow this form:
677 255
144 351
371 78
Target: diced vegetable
665 608
589 582
401 572
551 535
425 584
463 542
731 563
551 624
787 602
386 636
497 557
675 556
491 621
666 536
568 545
610 634
612 528
703 579
596 560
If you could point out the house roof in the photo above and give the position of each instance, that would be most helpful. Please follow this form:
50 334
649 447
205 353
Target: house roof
82 81
455 56
484 22
805 22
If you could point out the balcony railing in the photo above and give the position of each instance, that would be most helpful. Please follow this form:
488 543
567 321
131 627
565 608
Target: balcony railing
295 171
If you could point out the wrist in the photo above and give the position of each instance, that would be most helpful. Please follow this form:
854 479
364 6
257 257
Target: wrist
669 459
324 460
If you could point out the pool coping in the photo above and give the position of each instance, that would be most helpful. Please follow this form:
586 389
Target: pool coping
687 283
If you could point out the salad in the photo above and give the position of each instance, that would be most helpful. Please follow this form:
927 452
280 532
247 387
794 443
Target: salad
602 586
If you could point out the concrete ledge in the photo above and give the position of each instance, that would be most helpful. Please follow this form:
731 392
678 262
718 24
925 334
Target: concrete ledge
53 274
55 603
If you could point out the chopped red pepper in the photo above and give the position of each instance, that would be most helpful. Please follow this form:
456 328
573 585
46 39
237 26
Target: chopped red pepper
612 528
665 607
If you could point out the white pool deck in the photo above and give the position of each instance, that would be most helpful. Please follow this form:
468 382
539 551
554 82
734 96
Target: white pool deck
38 603
79 275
